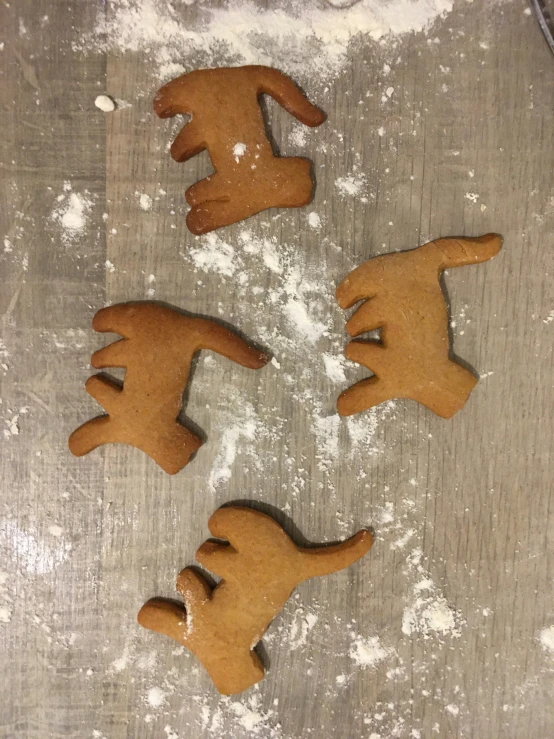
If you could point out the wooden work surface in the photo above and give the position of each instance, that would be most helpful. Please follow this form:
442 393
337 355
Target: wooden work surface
442 630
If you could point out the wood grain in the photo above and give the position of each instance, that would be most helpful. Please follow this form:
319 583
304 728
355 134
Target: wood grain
84 542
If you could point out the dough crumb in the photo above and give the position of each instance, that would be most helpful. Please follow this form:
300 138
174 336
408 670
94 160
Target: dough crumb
105 103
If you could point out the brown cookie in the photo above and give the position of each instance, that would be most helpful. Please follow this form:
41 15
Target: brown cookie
259 567
157 351
404 299
227 121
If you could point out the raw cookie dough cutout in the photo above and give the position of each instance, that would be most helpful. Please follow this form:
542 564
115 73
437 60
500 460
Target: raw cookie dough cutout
157 351
403 297
260 567
227 121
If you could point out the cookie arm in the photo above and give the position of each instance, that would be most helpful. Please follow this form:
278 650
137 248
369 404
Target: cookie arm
164 617
288 95
218 339
325 560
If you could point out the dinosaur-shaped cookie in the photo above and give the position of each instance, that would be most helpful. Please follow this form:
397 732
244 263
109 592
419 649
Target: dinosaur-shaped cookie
227 121
403 298
157 351
259 567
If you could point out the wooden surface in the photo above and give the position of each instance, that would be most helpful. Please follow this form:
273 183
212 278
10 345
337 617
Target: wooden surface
464 503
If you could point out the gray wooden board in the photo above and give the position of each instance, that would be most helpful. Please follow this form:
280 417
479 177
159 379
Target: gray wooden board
461 508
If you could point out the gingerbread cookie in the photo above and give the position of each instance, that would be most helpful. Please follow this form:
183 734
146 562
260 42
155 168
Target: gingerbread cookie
259 567
157 351
227 121
404 299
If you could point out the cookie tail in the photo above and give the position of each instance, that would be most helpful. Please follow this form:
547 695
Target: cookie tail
289 96
458 252
325 560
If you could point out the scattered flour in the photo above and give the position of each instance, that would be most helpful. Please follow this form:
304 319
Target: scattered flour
312 42
145 201
245 426
428 613
314 220
156 697
352 185
368 652
298 135
239 150
253 719
6 609
302 624
214 255
334 367
29 552
12 422
72 213
546 638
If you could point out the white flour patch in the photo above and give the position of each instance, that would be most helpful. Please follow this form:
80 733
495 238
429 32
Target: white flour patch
244 427
303 623
144 200
314 220
72 213
56 531
6 609
156 697
353 185
12 423
252 718
311 39
151 291
4 356
301 319
239 150
549 318
368 652
122 663
546 639
428 612
298 135
334 367
363 428
214 255
30 553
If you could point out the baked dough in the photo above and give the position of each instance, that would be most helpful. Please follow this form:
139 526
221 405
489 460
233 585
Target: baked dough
157 351
227 121
260 567
403 298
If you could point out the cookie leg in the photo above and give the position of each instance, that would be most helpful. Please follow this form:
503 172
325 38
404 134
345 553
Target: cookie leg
448 391
214 214
371 354
106 392
170 448
293 185
90 435
362 396
210 188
